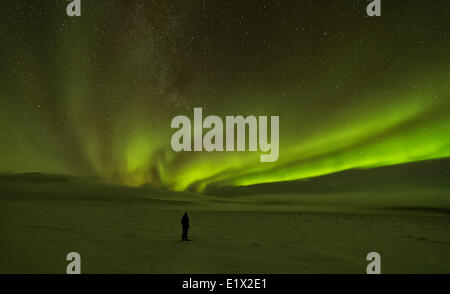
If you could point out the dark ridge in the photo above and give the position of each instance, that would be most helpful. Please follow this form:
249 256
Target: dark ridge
433 174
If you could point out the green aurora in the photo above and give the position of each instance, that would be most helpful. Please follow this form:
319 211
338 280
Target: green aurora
94 95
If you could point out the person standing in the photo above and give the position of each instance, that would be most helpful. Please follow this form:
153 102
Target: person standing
185 226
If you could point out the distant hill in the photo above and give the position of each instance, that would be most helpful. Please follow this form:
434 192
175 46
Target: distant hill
37 185
33 177
423 174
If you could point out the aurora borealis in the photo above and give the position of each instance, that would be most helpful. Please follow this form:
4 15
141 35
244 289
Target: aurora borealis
94 95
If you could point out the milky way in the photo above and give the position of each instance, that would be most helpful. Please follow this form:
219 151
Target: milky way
94 95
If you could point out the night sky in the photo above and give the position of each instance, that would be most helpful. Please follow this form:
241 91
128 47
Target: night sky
94 95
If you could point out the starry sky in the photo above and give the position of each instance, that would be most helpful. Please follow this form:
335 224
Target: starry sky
94 95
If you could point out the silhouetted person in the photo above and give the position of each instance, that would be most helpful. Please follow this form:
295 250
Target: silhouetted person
185 225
